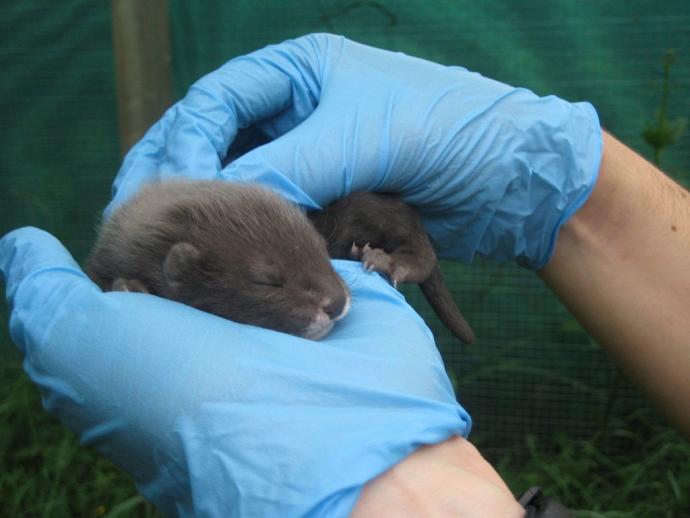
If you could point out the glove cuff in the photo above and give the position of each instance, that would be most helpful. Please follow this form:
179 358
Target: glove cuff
583 153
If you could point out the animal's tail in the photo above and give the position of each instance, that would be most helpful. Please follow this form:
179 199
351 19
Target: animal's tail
439 297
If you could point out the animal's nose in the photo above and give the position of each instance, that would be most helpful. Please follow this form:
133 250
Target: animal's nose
337 307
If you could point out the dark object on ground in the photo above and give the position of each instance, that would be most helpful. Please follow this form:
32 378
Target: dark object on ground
539 505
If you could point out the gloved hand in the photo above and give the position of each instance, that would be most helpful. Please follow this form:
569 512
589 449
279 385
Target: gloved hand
495 170
213 418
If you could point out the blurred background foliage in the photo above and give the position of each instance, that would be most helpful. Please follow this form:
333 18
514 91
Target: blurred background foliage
549 407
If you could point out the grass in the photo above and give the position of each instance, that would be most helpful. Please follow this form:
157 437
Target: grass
44 471
636 467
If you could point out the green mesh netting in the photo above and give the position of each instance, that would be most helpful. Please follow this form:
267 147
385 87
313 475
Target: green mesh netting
533 369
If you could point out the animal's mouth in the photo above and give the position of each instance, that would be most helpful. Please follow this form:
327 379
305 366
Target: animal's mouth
317 332
323 324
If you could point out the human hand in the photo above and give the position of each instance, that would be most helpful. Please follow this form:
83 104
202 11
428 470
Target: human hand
214 418
495 170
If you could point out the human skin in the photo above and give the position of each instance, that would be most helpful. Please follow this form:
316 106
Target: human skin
450 479
622 266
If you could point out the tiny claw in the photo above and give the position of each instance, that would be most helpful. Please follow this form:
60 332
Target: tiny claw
395 283
369 267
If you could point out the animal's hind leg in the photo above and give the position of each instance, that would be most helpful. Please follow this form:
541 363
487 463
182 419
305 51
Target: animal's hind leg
400 265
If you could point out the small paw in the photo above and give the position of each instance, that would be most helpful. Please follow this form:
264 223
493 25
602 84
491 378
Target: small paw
398 274
376 260
355 252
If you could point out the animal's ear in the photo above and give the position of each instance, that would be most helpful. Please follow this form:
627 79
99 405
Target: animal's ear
182 259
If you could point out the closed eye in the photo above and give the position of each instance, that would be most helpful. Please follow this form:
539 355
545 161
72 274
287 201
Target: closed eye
269 283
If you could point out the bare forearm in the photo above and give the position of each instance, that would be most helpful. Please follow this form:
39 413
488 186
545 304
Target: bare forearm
449 479
622 266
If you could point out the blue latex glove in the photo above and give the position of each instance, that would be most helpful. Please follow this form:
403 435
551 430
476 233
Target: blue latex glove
496 170
213 418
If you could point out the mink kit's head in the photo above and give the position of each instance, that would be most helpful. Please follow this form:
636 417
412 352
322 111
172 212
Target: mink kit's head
258 261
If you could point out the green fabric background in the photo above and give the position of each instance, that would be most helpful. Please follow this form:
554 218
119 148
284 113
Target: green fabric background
533 369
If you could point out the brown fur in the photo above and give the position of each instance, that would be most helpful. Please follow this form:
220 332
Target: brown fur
244 253
238 251
388 236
